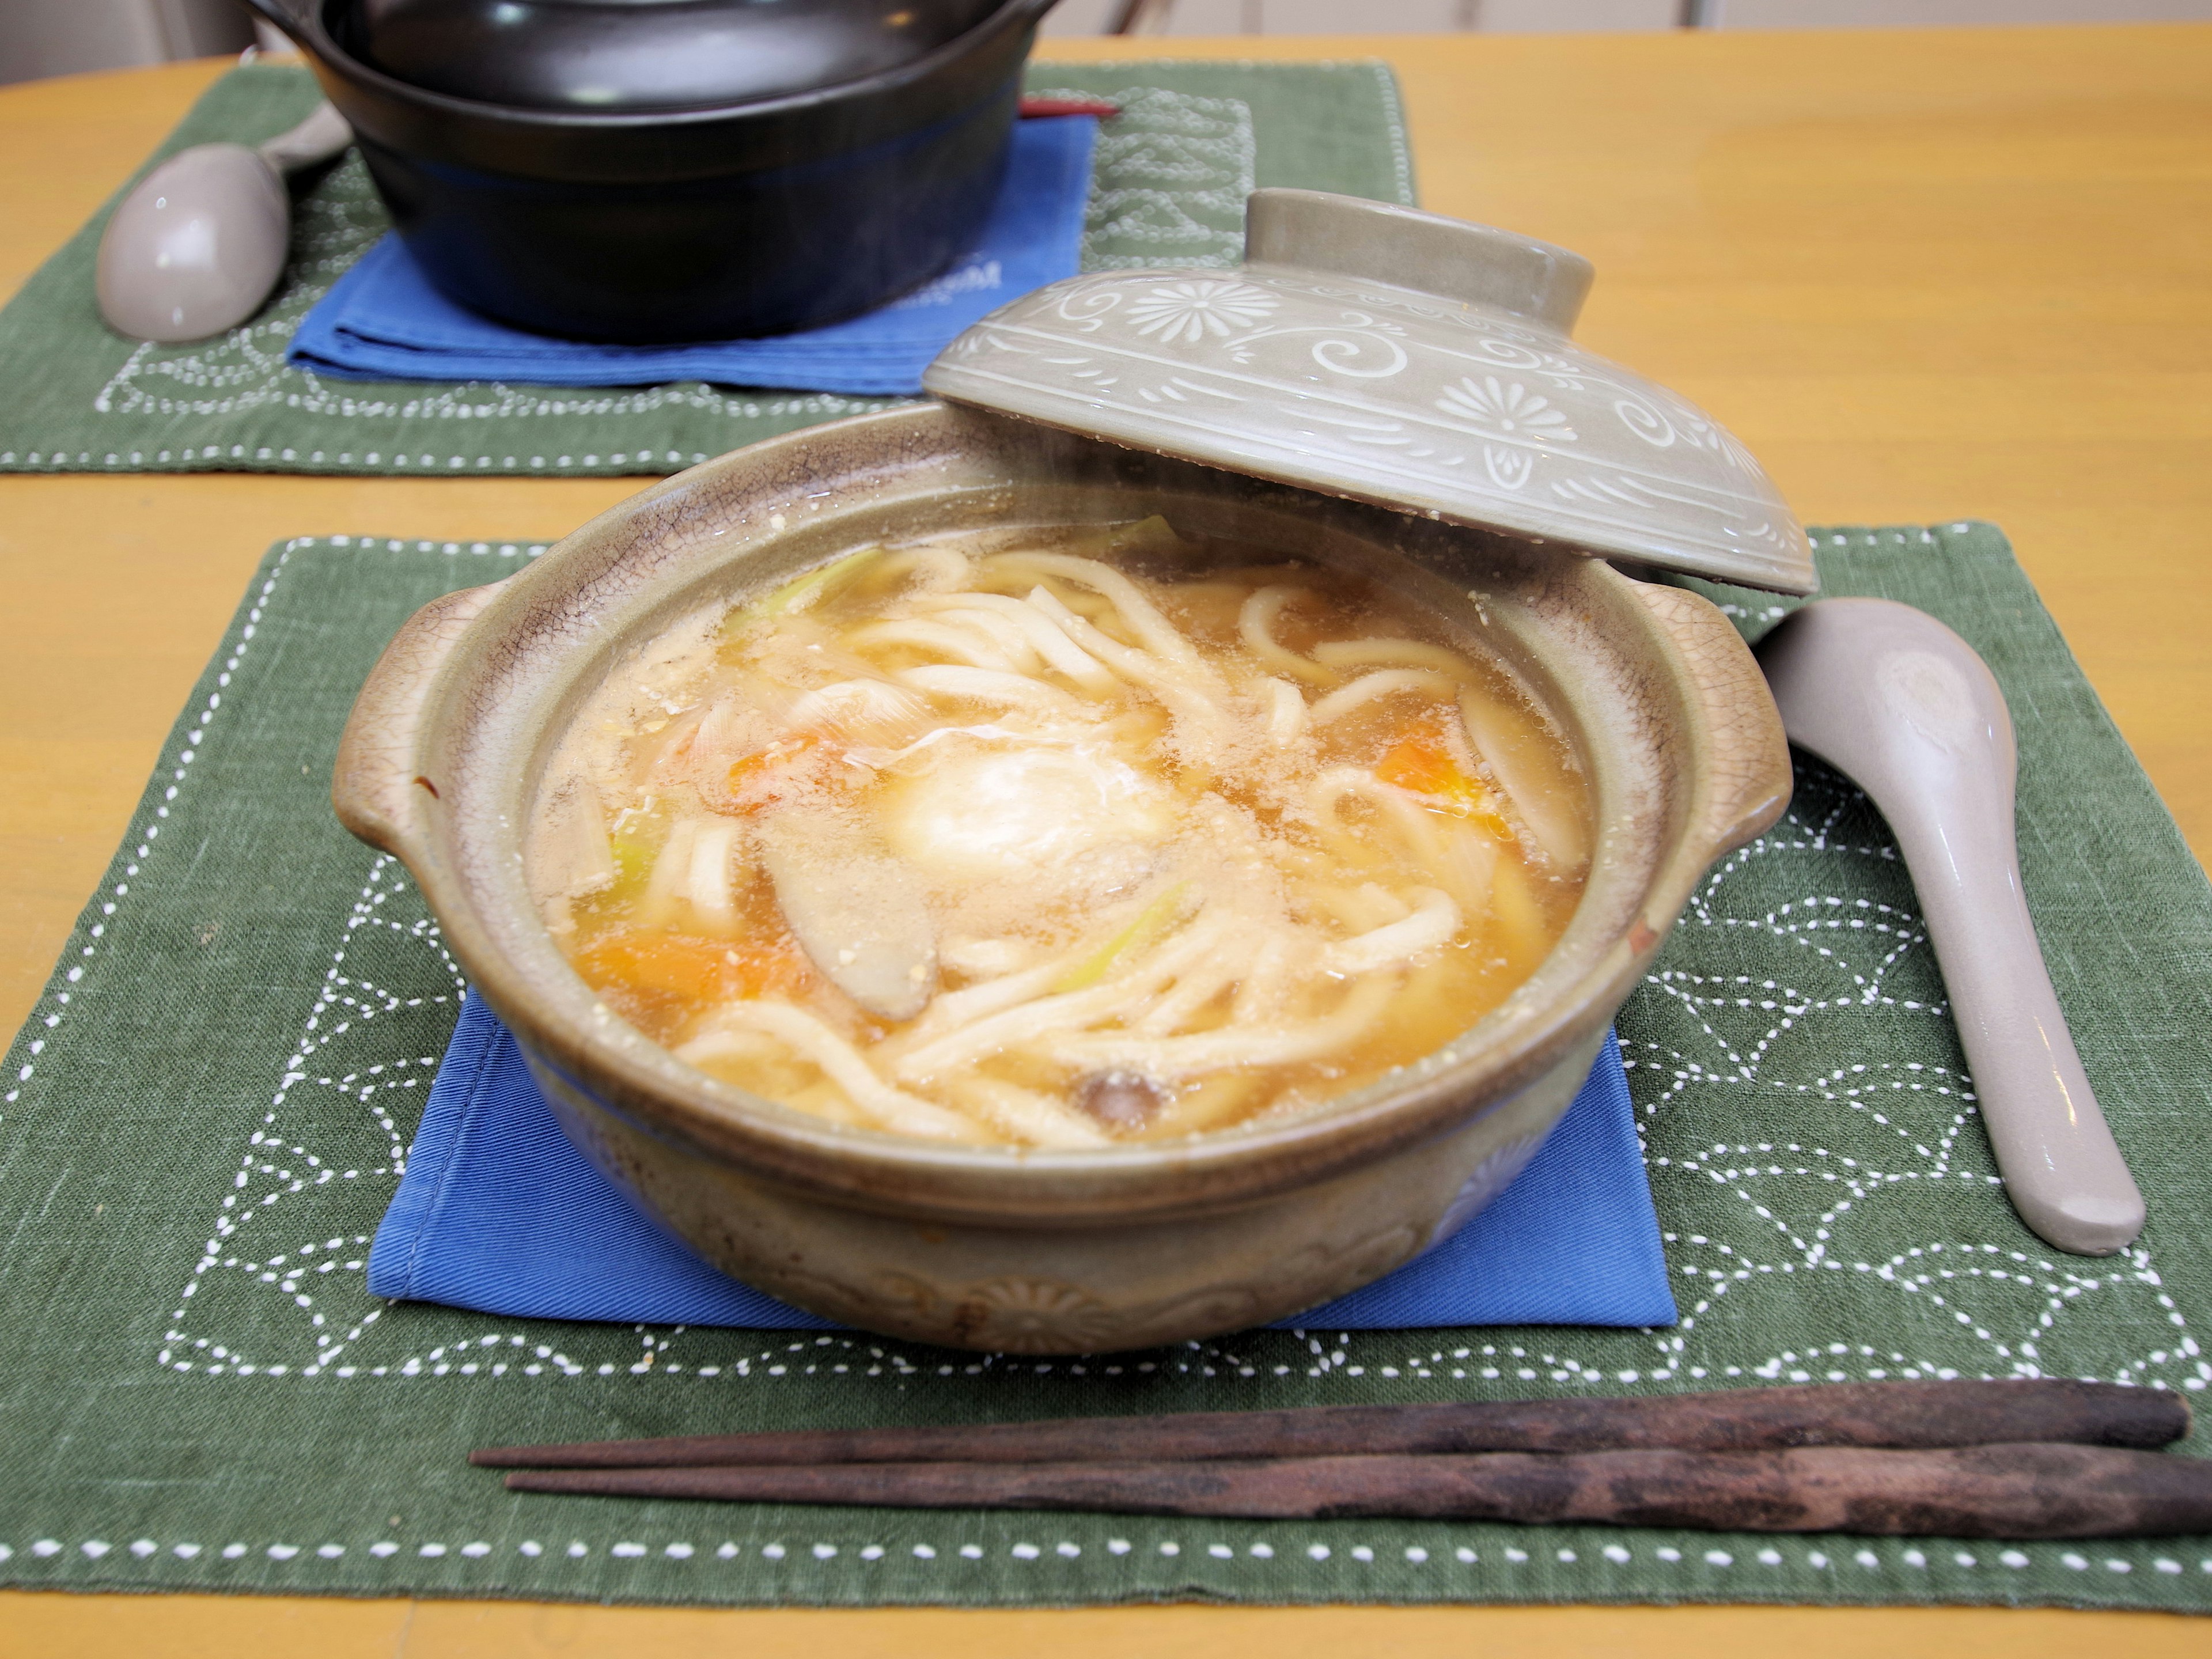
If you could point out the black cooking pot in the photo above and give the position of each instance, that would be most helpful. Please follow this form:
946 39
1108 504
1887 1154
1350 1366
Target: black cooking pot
655 170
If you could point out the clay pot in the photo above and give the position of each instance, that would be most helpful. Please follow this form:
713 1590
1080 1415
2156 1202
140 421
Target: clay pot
1030 1251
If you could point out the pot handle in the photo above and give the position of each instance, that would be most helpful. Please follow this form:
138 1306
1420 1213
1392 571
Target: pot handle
1750 756
378 788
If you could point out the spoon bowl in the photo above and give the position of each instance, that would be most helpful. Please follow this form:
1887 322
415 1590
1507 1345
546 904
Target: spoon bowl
197 245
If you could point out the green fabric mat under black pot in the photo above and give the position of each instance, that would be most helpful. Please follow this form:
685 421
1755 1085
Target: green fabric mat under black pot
1169 180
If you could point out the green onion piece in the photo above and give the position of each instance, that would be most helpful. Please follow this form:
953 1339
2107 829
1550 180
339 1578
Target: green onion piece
1153 920
636 840
1152 535
800 594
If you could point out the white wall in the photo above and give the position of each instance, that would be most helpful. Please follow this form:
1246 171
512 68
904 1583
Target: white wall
1380 16
70 37
1578 16
1895 13
40 38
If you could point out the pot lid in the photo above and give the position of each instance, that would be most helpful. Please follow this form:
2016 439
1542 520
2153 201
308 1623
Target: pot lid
1393 356
602 56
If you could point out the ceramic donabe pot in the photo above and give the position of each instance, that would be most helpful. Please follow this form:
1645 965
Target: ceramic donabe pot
1033 1251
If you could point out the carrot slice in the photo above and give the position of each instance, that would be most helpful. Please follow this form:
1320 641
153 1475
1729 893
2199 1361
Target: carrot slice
1422 763
657 980
758 780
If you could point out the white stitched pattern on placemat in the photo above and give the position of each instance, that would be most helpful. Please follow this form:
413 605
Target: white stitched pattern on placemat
1901 1560
1170 173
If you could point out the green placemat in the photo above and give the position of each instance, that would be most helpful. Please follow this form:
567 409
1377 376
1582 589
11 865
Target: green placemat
1167 188
204 1118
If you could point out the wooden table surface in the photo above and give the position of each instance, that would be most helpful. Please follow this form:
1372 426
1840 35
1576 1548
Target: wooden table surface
1925 275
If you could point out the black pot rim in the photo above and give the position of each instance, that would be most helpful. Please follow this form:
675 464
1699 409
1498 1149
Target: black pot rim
308 30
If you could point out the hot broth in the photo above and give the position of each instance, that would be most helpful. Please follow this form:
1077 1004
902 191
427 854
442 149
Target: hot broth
1059 839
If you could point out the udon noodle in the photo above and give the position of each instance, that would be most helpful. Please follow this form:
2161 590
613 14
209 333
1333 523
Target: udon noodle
1058 839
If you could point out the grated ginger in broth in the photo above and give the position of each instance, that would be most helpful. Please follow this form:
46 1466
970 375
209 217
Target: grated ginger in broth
1014 838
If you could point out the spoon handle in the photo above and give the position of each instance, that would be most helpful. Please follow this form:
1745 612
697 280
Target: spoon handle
2061 1169
321 135
1903 706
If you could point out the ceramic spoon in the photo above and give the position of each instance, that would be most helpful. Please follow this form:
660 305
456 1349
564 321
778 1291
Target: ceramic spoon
1889 695
196 247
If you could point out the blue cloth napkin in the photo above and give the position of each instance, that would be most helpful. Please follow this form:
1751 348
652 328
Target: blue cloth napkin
382 320
498 1211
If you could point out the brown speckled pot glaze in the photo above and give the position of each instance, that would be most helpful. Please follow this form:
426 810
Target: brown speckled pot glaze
1031 1251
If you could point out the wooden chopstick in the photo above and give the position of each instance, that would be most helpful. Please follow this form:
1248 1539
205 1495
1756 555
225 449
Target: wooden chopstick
2009 1491
1896 1414
1031 108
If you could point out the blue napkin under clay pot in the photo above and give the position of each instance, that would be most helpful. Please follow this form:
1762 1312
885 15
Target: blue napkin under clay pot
498 1211
383 321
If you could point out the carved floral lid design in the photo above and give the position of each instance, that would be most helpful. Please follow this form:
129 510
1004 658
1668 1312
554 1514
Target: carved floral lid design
1397 357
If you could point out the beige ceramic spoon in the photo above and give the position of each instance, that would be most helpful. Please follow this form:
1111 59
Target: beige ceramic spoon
1889 695
197 246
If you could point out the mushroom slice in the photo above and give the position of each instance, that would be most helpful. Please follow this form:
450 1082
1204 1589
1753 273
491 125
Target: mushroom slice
860 916
1120 1097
